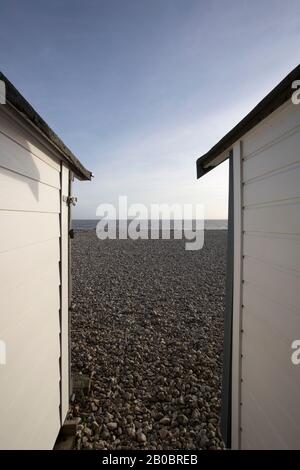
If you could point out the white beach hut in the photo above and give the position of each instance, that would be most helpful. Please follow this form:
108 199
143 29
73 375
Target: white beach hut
261 382
36 170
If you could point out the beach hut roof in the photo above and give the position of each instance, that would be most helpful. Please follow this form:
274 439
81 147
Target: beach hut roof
14 98
220 152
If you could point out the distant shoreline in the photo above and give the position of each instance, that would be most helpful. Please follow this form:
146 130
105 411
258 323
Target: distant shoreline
209 224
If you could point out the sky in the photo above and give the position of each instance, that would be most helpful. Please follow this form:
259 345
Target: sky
138 89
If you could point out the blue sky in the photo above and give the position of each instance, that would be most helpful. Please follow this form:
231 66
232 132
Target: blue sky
139 88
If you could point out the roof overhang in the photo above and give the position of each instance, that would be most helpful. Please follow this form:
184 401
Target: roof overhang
220 152
19 103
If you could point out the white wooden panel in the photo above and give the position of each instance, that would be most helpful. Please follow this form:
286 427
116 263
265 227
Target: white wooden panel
281 123
267 438
280 285
23 350
20 229
49 414
47 422
64 293
19 266
274 187
253 440
19 132
278 386
21 193
270 314
14 157
34 410
279 218
282 251
28 295
32 370
285 153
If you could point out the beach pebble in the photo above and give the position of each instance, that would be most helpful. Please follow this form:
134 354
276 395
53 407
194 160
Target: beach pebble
112 426
140 437
163 433
131 433
165 420
182 419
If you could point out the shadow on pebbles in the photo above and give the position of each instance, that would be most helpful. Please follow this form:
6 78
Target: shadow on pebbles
147 329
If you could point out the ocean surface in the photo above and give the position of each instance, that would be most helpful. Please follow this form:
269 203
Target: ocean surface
209 224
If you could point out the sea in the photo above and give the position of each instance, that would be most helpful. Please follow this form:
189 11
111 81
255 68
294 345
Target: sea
209 224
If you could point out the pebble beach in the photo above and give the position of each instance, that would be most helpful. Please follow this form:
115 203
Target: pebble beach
147 332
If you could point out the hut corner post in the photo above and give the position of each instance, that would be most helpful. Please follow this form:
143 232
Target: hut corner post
71 179
227 355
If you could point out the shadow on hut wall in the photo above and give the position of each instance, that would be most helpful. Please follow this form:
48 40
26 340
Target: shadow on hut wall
18 173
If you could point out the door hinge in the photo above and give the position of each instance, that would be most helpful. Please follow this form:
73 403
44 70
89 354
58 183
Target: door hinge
70 200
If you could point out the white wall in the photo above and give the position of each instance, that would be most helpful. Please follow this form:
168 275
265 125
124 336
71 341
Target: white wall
29 287
268 384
